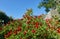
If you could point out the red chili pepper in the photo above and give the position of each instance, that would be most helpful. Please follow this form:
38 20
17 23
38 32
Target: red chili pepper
25 32
0 28
5 36
9 33
19 28
33 31
47 20
28 22
36 25
15 32
49 25
58 30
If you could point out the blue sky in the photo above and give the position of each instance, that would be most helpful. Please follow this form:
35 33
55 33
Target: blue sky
17 8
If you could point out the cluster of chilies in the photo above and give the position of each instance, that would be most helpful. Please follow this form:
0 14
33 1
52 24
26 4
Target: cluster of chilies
51 27
47 22
16 32
58 30
36 25
19 28
8 34
13 32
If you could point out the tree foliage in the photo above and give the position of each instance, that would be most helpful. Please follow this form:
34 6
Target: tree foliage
48 4
4 18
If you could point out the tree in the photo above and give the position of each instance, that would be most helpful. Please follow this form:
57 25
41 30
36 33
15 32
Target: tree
49 4
4 18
